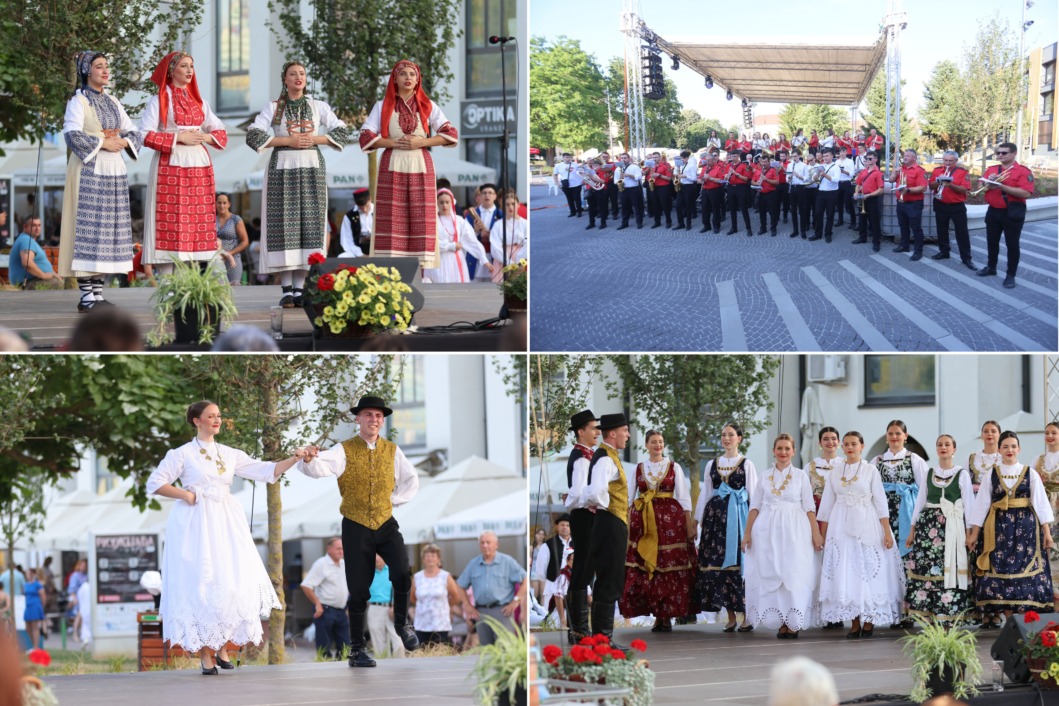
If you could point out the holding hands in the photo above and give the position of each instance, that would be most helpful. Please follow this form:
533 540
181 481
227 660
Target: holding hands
306 453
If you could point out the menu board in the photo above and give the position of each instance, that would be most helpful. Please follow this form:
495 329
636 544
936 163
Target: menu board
121 559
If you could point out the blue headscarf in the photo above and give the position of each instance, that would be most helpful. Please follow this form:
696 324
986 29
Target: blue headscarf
84 61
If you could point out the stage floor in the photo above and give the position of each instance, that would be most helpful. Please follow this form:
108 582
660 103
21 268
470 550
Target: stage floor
48 317
427 680
701 664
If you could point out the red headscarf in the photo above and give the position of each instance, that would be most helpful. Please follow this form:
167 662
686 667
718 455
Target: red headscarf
389 101
162 77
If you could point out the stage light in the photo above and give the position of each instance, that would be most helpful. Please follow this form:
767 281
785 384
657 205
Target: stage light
676 62
709 81
744 103
729 96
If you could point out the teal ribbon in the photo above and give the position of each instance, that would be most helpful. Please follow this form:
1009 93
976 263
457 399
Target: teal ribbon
738 509
908 493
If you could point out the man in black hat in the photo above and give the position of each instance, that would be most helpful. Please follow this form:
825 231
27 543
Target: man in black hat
551 557
373 477
357 225
608 491
585 427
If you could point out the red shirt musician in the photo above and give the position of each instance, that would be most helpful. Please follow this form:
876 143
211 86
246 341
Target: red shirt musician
663 174
718 171
951 183
915 181
870 182
746 146
951 176
731 144
845 141
1010 184
741 175
874 141
814 141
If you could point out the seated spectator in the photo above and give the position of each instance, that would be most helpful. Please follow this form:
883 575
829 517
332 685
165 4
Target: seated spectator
800 681
107 329
11 342
243 338
29 265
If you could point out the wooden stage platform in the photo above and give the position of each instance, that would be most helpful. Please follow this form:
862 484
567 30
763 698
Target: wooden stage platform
446 322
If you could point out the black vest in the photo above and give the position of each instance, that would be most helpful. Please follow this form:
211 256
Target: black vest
600 453
575 455
555 557
353 215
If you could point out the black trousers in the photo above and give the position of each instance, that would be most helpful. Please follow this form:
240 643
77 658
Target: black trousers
360 545
845 189
785 202
824 214
870 221
957 213
811 195
609 539
649 199
713 208
800 208
997 221
686 203
769 205
632 203
581 524
664 204
612 195
739 200
910 218
573 197
597 206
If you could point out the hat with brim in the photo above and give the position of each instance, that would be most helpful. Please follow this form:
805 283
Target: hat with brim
612 421
581 419
565 517
369 402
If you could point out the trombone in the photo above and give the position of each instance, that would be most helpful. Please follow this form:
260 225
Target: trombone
997 178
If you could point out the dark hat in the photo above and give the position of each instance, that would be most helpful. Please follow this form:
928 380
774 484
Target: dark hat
361 190
369 402
612 421
565 517
581 419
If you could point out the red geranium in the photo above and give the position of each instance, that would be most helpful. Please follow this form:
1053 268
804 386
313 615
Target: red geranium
552 653
587 641
326 282
40 657
1031 617
602 639
602 649
638 645
617 654
1048 639
316 258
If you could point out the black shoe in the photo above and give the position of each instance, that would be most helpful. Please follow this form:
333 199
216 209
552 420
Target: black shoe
773 232
827 238
835 625
223 664
916 257
716 231
358 656
408 636
679 226
298 294
1009 282
867 632
400 620
577 615
853 634
208 672
590 226
623 226
815 237
84 308
838 223
793 635
603 623
781 635
602 226
761 231
940 256
968 264
875 247
986 271
853 226
657 224
103 303
733 231
287 300
705 229
902 248
572 215
794 234
730 628
580 213
745 628
860 241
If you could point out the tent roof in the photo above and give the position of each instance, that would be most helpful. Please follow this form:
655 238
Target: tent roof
506 516
776 70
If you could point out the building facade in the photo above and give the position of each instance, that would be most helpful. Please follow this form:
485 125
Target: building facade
1041 100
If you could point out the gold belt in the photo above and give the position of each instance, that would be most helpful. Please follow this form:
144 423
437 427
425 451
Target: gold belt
989 545
647 547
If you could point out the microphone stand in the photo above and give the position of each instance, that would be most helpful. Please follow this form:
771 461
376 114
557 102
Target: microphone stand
504 137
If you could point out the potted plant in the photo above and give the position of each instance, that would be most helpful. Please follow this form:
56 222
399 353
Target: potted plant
502 668
197 298
1041 651
514 285
355 302
594 661
944 660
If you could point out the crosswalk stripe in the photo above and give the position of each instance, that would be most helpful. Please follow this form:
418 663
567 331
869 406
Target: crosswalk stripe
733 338
871 335
792 318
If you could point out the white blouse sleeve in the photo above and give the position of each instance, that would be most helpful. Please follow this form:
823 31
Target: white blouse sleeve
1039 498
878 495
74 122
170 469
329 463
329 121
263 124
827 501
596 493
438 121
470 241
630 480
808 504
135 139
406 480
149 119
214 124
681 488
983 500
372 125
967 492
919 471
755 494
705 492
574 498
252 469
751 476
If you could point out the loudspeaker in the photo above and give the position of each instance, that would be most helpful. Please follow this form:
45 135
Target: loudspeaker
1008 650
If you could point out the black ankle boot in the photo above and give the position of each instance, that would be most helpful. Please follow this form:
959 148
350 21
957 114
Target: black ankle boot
400 621
358 656
577 615
603 622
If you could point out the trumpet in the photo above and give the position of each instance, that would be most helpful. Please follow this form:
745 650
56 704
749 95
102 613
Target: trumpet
860 190
997 178
902 183
941 184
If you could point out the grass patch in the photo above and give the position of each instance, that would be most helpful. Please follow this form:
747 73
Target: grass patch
73 662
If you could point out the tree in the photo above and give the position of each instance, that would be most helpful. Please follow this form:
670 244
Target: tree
875 117
690 398
569 108
351 46
21 509
660 117
692 130
992 91
559 389
38 41
270 417
811 117
941 97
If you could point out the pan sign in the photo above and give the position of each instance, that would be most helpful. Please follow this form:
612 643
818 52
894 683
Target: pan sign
485 118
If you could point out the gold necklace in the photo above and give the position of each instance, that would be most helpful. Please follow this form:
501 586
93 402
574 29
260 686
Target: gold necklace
772 479
1010 477
850 481
221 468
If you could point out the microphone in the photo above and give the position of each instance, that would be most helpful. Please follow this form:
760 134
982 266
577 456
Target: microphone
500 40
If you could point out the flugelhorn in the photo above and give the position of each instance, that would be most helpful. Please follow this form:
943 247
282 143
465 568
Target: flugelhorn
860 190
997 178
947 176
902 184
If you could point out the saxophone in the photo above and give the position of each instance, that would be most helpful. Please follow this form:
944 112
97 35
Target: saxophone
619 178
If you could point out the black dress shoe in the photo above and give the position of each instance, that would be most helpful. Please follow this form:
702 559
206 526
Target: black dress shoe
902 248
867 632
729 628
853 634
792 635
815 237
968 264
623 226
602 226
773 232
860 241
761 231
746 628
1009 282
853 226
838 223
716 231
590 226
657 224
875 247
705 229
360 658
408 636
827 238
208 672
916 257
940 256
986 271
733 231
794 234
679 226
572 215
222 663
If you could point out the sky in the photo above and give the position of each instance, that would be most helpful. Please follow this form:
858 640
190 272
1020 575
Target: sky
936 30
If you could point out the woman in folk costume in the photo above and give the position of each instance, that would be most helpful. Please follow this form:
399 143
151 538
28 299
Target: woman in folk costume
455 239
819 471
660 560
405 122
294 199
1013 574
724 503
179 216
861 579
980 464
96 227
1047 464
937 566
779 562
516 235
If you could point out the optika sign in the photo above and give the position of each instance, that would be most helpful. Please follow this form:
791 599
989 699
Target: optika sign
485 118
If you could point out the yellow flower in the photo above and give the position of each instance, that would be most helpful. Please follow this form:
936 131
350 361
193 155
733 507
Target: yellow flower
337 326
342 274
347 297
385 287
329 311
1053 669
318 321
340 285
395 273
380 307
396 306
363 299
341 308
371 291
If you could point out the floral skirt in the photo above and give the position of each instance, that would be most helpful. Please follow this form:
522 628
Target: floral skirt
667 593
925 567
1019 576
718 588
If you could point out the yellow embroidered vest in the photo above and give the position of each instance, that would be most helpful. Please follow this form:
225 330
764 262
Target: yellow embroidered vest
618 489
368 482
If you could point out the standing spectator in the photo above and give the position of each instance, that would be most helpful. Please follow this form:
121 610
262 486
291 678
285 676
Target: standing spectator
78 577
493 577
5 605
29 265
380 614
539 537
551 556
432 590
232 236
562 177
34 613
325 586
84 598
47 578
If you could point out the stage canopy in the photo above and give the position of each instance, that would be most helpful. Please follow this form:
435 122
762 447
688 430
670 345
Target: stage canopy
777 70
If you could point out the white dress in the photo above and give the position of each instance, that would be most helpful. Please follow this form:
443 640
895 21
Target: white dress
214 587
860 577
453 267
517 239
780 570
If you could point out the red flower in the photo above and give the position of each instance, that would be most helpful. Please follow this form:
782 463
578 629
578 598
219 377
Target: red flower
326 282
617 654
1048 639
352 270
316 258
40 657
587 641
601 639
602 650
638 645
552 653
1031 617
